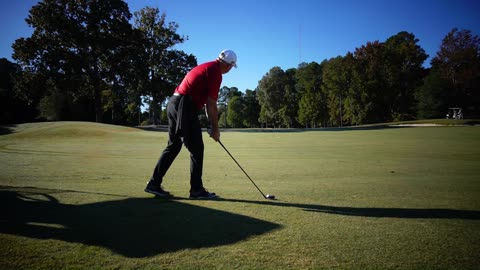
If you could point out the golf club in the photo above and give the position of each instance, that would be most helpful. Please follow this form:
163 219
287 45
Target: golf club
268 196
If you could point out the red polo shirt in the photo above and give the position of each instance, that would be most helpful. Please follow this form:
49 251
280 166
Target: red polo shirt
201 82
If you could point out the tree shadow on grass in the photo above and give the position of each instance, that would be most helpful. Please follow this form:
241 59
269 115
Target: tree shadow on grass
6 129
376 212
133 227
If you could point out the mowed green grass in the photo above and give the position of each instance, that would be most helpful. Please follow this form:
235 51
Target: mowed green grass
71 196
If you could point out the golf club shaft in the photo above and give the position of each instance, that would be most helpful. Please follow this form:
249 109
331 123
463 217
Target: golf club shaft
242 169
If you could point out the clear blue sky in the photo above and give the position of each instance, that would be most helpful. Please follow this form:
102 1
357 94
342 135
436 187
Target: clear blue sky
268 33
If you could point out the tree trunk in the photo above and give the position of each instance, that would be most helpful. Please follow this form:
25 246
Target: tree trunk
97 97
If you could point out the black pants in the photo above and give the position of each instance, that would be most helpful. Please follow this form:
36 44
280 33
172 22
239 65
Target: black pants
190 134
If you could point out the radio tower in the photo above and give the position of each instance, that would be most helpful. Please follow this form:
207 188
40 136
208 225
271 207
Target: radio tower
299 44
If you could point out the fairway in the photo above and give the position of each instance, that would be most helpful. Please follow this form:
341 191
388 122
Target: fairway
405 198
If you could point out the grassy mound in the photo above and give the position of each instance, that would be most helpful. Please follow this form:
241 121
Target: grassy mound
66 129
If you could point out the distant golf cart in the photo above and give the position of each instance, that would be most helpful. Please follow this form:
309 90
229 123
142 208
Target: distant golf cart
454 113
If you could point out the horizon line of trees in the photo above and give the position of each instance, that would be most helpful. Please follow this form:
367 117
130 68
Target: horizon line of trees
86 61
377 83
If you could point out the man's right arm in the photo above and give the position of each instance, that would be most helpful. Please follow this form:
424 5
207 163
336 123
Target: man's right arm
212 115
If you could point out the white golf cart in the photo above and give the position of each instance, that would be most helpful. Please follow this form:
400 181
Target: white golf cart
454 113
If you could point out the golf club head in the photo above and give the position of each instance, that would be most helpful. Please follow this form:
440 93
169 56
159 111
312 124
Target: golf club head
270 197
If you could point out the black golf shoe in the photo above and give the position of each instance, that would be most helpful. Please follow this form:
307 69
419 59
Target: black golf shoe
157 190
202 194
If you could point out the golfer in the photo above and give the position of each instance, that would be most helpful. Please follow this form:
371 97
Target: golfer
200 87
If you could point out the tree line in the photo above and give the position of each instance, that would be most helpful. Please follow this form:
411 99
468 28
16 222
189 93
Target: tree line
379 82
86 61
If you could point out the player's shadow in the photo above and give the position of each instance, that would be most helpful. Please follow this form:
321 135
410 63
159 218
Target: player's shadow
133 227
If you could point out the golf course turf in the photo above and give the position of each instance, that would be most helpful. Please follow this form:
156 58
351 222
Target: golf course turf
71 196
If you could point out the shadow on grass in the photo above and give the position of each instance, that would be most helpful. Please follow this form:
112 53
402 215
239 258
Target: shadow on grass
8 129
472 122
414 213
133 227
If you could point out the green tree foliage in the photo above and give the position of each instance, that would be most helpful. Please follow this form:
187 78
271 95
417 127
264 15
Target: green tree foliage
404 73
288 112
252 109
368 98
13 108
337 80
7 96
270 93
384 79
313 104
277 95
73 44
84 58
236 108
457 63
164 66
243 109
308 112
224 97
432 97
222 106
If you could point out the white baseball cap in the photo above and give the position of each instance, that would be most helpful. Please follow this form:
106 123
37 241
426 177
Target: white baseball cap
229 57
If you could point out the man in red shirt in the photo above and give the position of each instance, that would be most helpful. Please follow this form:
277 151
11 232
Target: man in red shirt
199 88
